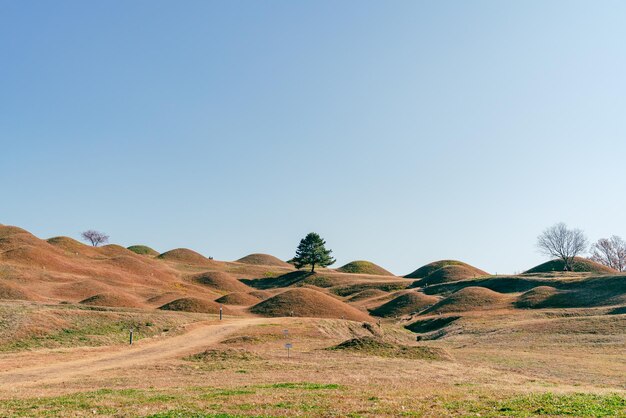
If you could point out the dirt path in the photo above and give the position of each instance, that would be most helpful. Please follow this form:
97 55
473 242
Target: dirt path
144 352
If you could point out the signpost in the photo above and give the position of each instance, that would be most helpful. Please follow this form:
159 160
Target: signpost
288 347
131 337
286 333
220 312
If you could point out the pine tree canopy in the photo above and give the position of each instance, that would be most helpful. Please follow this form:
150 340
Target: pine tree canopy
312 252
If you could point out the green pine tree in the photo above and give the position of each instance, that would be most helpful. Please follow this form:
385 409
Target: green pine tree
311 252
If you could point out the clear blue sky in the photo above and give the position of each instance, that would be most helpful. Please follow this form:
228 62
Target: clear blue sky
402 132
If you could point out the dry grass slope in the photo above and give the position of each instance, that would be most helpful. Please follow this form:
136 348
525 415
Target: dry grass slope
185 256
427 269
406 303
112 299
220 281
239 298
471 298
143 250
264 260
196 305
581 265
307 303
364 267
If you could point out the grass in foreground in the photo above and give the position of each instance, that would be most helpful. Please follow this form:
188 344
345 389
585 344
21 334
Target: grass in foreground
309 399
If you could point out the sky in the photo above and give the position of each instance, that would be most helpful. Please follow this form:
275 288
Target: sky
402 132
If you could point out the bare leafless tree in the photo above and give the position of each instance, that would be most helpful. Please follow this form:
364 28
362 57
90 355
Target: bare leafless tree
611 252
96 238
563 243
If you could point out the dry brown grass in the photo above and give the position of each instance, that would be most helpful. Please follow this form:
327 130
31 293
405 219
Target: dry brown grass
239 298
197 305
307 303
405 303
264 260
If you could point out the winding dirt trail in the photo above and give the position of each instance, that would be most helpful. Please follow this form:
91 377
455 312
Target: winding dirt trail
197 337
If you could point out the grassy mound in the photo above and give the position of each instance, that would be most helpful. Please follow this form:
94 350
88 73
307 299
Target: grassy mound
368 294
263 260
307 303
377 347
407 303
221 281
113 250
238 298
431 324
213 355
364 267
428 269
581 265
185 256
13 292
469 299
536 298
143 250
71 245
189 304
450 273
112 299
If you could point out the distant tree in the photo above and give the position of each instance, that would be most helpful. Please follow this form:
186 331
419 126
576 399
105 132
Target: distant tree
94 237
611 252
312 252
560 242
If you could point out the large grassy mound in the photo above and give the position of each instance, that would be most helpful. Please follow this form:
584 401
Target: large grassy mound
189 304
11 291
113 299
581 265
449 273
469 299
377 347
72 246
221 281
428 269
406 303
143 250
185 256
536 297
304 302
264 260
364 267
239 298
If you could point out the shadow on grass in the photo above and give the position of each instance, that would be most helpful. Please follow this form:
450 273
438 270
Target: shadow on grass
284 280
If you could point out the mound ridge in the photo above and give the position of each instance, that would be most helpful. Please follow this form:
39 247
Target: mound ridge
449 273
222 281
112 299
143 250
469 299
405 304
536 297
305 302
13 292
71 245
580 265
428 269
263 260
239 298
185 256
191 304
368 294
378 347
364 267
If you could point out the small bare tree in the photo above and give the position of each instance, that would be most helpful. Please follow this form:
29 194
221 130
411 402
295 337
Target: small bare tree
560 242
96 238
611 252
